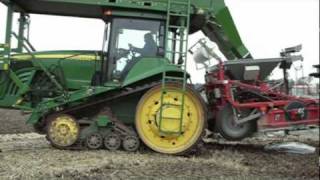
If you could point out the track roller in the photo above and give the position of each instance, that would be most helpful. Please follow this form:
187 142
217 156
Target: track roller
94 141
112 142
131 143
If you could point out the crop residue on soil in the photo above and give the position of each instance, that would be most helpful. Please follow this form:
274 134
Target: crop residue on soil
28 156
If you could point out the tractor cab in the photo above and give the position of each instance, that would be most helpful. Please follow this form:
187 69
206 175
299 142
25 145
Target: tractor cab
128 41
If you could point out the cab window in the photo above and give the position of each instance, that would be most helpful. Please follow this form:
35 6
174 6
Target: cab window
132 40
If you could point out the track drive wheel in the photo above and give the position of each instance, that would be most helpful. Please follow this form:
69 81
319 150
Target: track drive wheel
63 131
192 124
226 126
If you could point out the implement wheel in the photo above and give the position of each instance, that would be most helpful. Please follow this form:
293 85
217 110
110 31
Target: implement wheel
227 127
170 137
63 131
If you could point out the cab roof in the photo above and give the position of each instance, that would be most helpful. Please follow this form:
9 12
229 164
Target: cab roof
83 8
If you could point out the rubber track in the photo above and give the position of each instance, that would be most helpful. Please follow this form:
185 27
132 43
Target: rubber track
127 92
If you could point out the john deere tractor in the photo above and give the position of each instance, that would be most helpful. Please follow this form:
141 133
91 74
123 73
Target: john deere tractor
135 88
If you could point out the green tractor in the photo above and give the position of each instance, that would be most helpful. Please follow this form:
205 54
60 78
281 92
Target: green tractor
135 88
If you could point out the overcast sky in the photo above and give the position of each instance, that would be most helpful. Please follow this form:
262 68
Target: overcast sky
265 26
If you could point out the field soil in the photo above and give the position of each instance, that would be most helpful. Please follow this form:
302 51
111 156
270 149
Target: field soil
26 155
12 122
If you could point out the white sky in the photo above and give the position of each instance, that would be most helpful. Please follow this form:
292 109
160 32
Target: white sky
265 26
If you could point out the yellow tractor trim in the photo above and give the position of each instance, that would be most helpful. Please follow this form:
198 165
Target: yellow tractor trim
58 56
63 131
148 120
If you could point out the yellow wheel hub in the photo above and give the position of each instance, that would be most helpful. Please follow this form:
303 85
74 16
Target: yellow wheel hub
63 131
172 134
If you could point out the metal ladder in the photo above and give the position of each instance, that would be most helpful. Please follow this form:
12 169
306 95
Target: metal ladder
179 10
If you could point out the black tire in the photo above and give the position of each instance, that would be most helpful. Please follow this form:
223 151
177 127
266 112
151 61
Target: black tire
228 129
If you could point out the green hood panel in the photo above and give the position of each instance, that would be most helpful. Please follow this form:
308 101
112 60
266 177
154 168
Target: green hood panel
75 68
148 67
65 55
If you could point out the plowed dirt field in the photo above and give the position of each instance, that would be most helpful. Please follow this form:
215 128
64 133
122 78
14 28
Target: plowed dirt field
26 155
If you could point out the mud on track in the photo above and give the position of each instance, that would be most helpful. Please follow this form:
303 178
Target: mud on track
28 156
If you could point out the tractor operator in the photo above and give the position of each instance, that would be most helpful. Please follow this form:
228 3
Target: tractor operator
149 48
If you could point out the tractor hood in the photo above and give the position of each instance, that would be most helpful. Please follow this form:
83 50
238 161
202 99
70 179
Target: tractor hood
63 55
